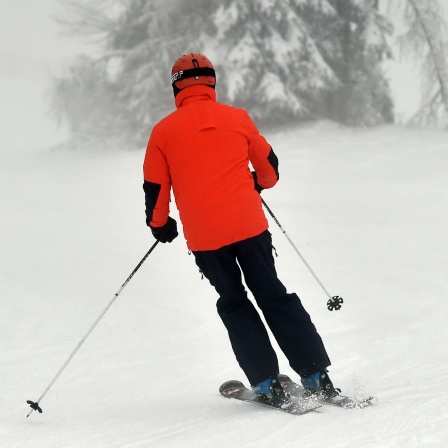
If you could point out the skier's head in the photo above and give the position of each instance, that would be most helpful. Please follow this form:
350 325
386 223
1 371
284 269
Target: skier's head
192 69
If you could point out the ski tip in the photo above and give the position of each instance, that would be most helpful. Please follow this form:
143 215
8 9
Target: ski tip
284 379
231 388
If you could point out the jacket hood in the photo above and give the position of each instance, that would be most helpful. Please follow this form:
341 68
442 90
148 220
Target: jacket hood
194 92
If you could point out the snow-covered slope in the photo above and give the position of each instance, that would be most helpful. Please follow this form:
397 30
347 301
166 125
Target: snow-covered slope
368 210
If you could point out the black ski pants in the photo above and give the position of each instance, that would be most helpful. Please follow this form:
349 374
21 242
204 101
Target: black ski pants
288 321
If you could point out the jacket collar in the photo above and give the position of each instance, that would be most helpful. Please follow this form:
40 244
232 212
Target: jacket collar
196 92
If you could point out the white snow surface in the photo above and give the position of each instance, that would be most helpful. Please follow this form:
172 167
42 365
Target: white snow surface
368 210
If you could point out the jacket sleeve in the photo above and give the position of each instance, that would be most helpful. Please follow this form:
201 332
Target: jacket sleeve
262 157
157 185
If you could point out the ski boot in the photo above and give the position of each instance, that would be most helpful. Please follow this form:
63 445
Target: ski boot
319 385
271 392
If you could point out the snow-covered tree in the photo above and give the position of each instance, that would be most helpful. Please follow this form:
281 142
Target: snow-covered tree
267 59
353 40
307 59
280 59
427 38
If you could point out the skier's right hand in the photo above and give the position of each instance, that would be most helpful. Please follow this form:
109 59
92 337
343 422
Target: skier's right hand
256 185
167 232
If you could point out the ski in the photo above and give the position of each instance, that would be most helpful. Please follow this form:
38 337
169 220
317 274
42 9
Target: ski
342 401
296 405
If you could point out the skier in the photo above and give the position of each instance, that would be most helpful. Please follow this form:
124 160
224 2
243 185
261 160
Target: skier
202 150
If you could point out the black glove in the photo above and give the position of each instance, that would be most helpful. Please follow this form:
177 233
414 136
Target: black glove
167 232
256 186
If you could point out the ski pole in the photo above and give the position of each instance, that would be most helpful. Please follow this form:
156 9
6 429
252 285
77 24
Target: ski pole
334 302
35 405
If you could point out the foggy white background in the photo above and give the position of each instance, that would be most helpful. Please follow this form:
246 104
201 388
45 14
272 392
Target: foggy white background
33 49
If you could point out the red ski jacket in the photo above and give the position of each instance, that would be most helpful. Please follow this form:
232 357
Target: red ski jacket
202 150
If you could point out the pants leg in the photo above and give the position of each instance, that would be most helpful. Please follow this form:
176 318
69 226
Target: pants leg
247 333
289 322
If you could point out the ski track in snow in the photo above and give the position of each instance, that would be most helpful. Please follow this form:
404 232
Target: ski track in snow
368 210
